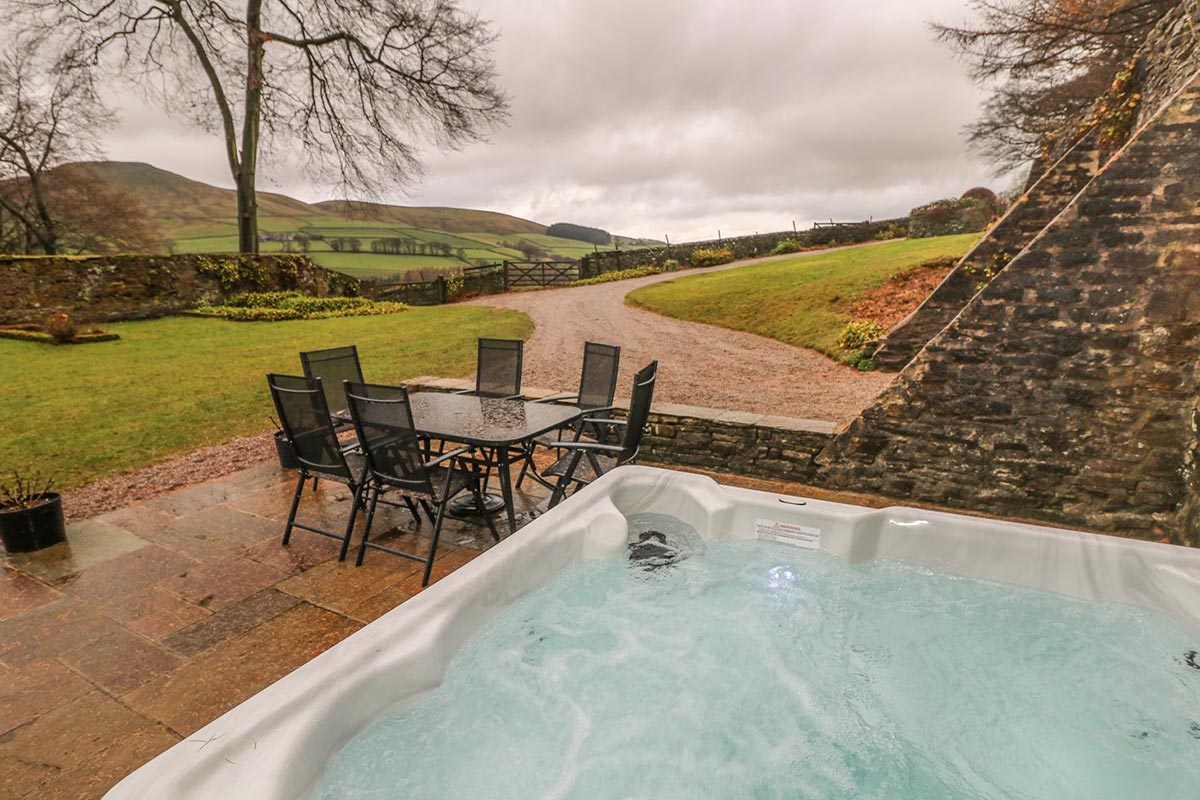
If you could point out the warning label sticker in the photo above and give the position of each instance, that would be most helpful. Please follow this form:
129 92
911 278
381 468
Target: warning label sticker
788 533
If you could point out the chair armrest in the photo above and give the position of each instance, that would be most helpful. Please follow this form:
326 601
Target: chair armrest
605 421
595 447
449 455
555 398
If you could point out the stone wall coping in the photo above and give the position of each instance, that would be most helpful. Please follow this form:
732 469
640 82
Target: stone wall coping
719 415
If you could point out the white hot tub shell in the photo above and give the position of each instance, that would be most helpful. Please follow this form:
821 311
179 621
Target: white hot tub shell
275 745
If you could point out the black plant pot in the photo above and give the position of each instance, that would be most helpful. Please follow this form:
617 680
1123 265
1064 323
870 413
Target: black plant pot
287 456
24 530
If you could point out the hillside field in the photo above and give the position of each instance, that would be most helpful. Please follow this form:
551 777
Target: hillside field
802 301
195 217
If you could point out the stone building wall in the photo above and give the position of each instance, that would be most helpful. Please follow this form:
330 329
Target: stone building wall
1041 202
111 288
1067 389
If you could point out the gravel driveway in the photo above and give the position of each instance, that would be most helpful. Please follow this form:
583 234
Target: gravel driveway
699 364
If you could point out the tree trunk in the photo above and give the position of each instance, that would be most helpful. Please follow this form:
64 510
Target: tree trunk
246 195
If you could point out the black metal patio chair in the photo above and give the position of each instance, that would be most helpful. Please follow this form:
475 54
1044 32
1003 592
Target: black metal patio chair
397 461
333 366
583 462
597 387
498 368
304 415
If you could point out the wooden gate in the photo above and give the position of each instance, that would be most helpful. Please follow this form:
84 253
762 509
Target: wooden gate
540 273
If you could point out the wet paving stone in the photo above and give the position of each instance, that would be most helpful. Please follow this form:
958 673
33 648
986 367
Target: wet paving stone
206 495
41 687
20 593
95 775
230 622
301 553
153 612
341 586
214 533
61 739
224 676
88 543
116 578
50 631
217 584
120 661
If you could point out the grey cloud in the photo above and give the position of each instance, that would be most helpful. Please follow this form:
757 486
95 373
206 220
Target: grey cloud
681 117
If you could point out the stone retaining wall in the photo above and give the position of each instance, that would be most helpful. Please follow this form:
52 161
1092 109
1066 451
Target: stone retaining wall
112 288
738 442
1040 203
1067 389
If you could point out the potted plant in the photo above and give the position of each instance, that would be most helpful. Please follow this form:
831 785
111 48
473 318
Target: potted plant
31 516
283 448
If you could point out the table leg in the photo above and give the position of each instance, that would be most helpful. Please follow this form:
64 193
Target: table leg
506 488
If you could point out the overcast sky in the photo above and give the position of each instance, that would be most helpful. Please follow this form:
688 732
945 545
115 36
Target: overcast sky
682 117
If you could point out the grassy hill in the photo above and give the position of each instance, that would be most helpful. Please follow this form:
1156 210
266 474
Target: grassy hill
804 301
198 218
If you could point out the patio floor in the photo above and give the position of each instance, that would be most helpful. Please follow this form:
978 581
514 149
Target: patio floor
154 619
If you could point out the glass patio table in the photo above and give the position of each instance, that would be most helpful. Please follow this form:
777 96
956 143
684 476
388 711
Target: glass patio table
493 425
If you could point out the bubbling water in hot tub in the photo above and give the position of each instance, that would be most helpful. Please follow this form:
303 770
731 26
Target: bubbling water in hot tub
730 669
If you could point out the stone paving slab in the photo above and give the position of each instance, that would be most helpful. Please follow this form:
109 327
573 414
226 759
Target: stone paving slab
153 619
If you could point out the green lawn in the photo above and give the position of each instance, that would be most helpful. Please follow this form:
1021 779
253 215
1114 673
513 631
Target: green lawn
173 385
800 301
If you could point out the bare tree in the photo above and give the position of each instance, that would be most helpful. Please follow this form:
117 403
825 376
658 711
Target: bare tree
357 85
49 116
1047 61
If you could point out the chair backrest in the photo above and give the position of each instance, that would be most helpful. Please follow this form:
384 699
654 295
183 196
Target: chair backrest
333 366
498 370
383 420
639 412
304 415
598 381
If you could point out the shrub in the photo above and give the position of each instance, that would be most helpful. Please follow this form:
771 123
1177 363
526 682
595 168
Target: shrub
278 306
670 265
711 258
617 275
786 246
60 326
858 333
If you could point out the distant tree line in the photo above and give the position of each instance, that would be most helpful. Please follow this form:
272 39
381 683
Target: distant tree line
408 246
529 250
580 233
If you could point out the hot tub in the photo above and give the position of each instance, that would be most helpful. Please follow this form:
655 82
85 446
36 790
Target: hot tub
276 745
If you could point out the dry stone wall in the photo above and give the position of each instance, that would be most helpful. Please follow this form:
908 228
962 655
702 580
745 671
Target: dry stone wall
1067 389
736 442
1041 202
111 288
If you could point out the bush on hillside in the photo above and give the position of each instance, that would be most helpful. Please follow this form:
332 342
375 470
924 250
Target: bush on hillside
858 333
711 258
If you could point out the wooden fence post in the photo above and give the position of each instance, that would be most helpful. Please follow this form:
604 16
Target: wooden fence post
443 291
